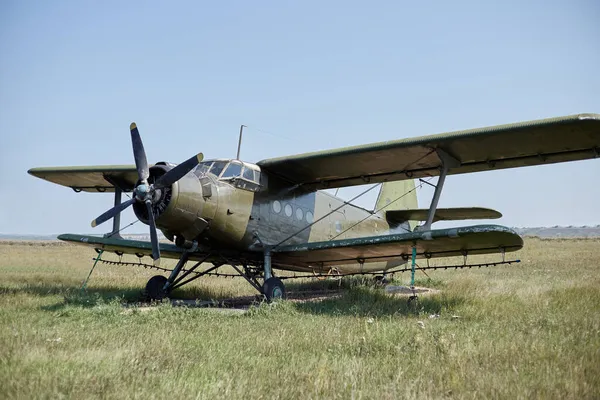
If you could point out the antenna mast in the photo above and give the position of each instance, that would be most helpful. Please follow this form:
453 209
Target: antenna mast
240 141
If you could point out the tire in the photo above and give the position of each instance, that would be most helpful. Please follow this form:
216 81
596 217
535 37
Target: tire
154 288
381 280
274 289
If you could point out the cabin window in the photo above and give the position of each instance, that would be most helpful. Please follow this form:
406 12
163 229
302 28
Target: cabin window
309 217
277 206
217 167
299 214
233 170
288 210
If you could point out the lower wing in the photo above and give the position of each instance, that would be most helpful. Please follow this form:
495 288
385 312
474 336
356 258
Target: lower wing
479 239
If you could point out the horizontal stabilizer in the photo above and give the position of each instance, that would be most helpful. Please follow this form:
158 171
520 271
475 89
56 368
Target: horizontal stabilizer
442 214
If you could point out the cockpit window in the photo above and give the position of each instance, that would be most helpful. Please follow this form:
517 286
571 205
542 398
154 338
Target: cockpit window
217 167
203 168
233 170
248 174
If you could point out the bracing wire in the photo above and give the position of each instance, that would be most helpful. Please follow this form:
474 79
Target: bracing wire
328 214
346 203
382 208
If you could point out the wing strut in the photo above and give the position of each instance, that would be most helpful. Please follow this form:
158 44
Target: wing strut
116 228
447 162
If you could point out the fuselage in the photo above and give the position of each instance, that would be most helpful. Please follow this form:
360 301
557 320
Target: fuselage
246 208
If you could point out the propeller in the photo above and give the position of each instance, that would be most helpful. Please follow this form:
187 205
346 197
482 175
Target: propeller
141 163
112 212
178 172
144 192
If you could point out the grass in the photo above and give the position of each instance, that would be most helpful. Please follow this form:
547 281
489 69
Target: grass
525 331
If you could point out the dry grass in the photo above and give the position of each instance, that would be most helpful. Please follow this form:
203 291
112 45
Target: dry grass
530 330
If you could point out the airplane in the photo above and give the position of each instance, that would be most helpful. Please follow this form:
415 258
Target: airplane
276 215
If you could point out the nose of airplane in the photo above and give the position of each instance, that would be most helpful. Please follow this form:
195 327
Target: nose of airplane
180 208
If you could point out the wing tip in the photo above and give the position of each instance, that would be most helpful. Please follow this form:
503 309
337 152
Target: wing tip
588 116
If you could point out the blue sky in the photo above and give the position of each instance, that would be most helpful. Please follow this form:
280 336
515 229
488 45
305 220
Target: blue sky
303 76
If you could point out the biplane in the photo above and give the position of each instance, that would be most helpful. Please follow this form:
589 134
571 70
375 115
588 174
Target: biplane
276 214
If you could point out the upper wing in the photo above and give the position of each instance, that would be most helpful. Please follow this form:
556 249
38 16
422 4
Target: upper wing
546 141
479 239
102 178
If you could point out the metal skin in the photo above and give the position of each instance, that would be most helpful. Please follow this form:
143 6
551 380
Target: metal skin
246 220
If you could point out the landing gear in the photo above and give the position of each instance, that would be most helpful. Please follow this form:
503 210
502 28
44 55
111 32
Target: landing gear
159 287
413 301
273 289
155 288
381 280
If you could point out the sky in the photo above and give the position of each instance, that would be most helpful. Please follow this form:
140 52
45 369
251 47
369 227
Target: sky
303 76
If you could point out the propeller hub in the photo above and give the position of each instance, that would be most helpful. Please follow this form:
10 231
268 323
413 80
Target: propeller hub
142 191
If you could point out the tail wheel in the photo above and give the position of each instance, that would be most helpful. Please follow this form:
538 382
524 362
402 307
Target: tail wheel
274 289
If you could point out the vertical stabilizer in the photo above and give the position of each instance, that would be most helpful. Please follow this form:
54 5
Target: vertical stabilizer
398 195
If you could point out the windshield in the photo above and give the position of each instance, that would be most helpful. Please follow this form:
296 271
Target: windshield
233 170
217 167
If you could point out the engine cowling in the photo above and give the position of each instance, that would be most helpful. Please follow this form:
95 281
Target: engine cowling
178 208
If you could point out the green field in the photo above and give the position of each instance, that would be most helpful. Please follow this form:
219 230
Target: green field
530 330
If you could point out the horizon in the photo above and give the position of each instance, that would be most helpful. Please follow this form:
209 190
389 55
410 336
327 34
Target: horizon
161 235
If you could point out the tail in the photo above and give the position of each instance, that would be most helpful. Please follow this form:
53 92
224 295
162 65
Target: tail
398 195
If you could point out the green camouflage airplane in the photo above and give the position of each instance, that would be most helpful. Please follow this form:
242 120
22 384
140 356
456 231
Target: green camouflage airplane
275 215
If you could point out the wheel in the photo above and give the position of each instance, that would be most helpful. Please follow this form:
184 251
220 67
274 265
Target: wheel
274 289
154 288
381 280
413 301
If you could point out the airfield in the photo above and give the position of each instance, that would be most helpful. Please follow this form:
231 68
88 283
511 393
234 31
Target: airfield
528 330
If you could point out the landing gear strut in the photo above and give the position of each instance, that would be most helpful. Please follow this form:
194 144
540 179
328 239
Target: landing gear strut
273 288
159 287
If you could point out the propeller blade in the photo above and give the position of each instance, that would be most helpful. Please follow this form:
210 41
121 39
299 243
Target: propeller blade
178 172
153 234
141 163
112 212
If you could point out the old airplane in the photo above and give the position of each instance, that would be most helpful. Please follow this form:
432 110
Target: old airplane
274 214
